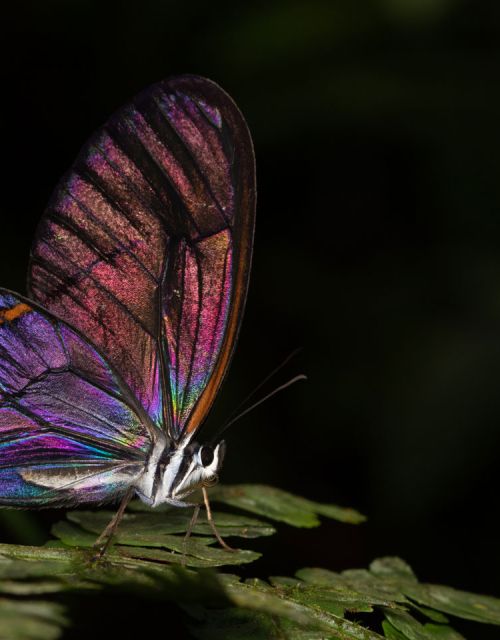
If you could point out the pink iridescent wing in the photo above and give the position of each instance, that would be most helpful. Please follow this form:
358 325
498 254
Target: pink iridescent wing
69 430
146 244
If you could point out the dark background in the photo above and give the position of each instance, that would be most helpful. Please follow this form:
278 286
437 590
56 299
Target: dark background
377 131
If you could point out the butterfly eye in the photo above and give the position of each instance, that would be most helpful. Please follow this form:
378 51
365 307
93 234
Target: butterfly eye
206 456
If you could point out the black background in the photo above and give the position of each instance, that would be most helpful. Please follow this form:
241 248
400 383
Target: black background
377 131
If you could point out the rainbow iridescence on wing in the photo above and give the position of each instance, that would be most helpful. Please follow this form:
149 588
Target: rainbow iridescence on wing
61 407
206 282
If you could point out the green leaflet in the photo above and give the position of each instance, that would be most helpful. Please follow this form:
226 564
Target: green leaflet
194 552
281 506
411 629
457 603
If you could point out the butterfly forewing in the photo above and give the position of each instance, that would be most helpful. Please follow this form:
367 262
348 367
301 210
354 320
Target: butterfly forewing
146 244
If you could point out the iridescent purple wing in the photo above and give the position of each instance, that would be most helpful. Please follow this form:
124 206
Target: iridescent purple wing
69 431
146 244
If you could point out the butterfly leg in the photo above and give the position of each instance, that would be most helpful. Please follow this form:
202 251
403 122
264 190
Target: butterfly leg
189 531
211 522
104 540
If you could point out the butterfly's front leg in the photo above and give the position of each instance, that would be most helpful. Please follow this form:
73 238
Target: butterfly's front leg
211 522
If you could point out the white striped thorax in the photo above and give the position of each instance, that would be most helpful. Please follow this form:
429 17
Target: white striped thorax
171 474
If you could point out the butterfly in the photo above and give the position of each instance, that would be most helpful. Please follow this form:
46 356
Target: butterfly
137 283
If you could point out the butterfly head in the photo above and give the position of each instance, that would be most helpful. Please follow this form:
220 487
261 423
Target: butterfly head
191 468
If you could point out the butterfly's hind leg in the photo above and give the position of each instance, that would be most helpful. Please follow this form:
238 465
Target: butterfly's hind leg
211 522
104 540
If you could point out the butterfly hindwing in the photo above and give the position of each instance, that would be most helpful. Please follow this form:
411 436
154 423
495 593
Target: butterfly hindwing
69 430
146 244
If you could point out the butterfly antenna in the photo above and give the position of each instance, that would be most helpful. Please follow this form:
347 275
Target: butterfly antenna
259 402
262 383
